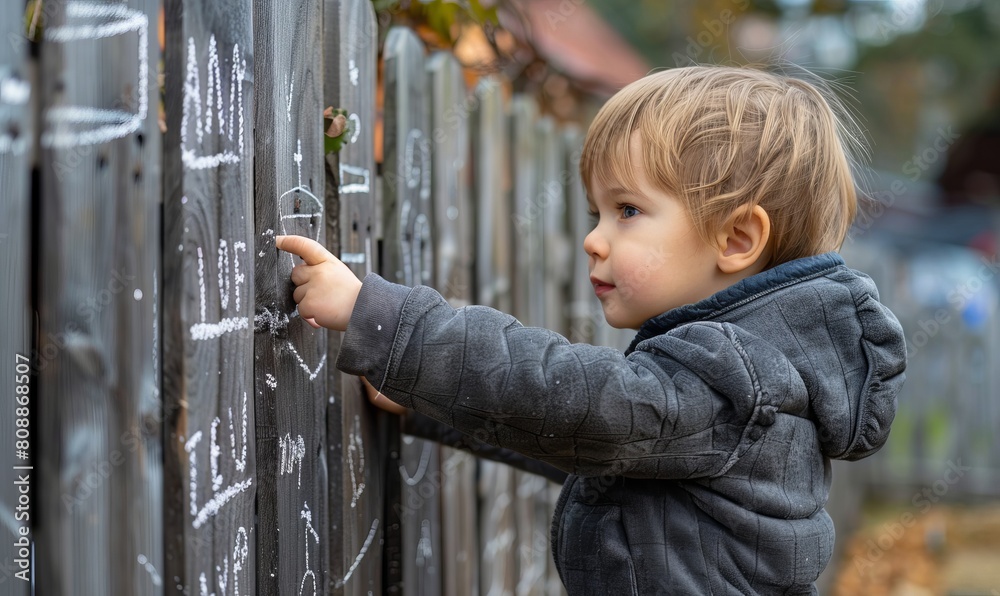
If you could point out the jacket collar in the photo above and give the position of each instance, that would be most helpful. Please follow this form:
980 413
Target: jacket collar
741 292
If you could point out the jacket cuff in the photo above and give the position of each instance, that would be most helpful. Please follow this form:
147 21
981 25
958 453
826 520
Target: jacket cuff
367 343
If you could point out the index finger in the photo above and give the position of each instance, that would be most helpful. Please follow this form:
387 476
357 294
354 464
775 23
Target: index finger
312 252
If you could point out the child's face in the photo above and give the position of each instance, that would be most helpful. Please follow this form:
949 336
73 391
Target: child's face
645 255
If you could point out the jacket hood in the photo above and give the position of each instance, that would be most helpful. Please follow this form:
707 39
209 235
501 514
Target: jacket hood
826 319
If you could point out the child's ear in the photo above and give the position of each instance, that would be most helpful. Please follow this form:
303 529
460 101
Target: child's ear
743 238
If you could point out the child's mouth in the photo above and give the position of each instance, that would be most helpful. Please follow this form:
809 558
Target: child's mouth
601 287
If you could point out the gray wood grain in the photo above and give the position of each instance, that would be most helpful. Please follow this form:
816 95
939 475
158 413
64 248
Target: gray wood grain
584 308
451 106
16 319
529 205
289 176
408 259
98 444
210 460
356 450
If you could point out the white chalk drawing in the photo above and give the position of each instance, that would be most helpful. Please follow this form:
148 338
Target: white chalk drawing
414 225
73 126
241 461
213 456
220 496
13 92
361 555
302 363
272 321
229 150
356 461
299 204
293 451
156 341
230 280
425 551
271 381
288 100
353 258
360 181
153 575
354 71
355 128
306 514
241 550
425 459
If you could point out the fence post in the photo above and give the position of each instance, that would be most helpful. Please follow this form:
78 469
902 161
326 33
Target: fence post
290 357
16 320
98 441
210 463
407 253
493 273
451 105
356 453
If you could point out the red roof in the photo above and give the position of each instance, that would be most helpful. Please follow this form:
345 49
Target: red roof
574 39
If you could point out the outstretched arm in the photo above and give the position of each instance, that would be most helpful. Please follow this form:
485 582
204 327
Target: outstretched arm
680 409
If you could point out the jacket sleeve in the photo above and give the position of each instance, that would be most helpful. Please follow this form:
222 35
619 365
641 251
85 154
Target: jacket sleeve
425 427
683 406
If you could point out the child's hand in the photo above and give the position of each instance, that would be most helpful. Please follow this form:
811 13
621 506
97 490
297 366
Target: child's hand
326 289
380 401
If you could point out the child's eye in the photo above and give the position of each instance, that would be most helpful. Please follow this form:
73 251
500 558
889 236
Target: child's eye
629 211
593 217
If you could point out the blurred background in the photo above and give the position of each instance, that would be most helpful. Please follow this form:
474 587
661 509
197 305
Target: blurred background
923 78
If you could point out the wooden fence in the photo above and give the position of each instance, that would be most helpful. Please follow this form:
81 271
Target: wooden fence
943 439
189 433
182 430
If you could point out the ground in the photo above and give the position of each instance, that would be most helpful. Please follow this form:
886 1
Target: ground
923 549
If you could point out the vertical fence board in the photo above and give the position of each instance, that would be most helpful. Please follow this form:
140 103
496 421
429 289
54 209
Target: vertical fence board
584 308
210 459
289 356
450 107
407 254
355 456
491 201
493 273
529 280
98 441
16 137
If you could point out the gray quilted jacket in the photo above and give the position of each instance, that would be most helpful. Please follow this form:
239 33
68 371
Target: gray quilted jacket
698 460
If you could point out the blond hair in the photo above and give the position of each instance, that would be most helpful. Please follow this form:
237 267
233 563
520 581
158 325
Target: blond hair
722 139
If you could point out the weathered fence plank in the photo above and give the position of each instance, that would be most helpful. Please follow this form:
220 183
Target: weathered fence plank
210 461
407 259
493 268
290 357
449 123
98 439
551 197
355 454
584 309
491 182
528 213
16 320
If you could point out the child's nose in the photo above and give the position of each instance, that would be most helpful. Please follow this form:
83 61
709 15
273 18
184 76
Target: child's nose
595 245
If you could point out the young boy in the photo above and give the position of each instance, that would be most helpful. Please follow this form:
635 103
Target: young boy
699 458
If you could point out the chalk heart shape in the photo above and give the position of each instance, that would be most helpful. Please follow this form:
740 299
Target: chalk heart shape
301 214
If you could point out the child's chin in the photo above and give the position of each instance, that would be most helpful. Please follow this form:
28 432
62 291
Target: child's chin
619 323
